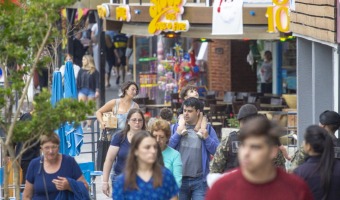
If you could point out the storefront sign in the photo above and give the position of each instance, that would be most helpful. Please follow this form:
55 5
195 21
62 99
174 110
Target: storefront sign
278 16
167 16
227 17
123 13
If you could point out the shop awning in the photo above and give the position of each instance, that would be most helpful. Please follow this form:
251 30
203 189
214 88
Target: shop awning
90 4
250 32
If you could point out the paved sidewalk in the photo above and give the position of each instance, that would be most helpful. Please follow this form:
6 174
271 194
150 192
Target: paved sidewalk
111 93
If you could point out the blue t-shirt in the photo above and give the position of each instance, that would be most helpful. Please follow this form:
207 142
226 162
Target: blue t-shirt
146 191
124 147
68 168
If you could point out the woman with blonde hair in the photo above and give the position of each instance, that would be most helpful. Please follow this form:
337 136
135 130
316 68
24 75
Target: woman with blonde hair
88 80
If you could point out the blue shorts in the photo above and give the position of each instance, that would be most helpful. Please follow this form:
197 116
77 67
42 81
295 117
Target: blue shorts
86 92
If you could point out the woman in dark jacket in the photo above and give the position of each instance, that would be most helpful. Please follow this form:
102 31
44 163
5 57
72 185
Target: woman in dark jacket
88 80
321 170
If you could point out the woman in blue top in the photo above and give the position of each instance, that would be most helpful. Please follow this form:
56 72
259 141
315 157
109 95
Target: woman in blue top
160 129
47 175
121 106
119 148
144 177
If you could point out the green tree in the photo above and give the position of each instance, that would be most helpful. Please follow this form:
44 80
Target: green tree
26 30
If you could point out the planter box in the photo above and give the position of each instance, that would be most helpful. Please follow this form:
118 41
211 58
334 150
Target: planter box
227 131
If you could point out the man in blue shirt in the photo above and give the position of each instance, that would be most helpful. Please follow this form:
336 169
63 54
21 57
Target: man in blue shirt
195 150
120 44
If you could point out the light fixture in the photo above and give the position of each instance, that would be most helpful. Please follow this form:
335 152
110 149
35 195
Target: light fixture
171 34
203 40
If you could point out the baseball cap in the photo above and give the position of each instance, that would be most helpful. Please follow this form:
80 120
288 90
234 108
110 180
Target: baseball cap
246 111
329 118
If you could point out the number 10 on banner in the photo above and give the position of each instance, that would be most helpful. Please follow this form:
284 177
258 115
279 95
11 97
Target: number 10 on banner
278 16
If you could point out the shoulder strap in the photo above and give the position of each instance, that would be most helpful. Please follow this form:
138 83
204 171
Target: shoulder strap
115 108
132 105
43 175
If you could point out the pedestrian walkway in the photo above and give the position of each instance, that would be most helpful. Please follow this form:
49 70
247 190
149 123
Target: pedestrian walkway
110 93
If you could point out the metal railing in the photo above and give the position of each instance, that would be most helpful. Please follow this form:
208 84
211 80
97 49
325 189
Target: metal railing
94 133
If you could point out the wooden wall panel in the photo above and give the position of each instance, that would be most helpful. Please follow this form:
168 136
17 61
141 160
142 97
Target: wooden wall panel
317 22
318 2
315 18
196 15
316 33
316 10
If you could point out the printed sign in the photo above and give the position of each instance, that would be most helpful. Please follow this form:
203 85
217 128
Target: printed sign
167 16
227 17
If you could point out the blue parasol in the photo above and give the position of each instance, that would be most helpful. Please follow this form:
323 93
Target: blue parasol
57 95
57 88
70 85
73 135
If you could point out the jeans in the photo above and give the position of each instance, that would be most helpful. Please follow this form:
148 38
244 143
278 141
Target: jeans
193 188
86 92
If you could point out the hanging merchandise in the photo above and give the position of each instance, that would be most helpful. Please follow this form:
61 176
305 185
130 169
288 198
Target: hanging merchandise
227 17
148 79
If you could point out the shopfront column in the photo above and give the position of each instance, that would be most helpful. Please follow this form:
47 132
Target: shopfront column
304 86
322 79
315 82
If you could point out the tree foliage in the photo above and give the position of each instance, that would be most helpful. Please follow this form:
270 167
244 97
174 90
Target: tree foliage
26 30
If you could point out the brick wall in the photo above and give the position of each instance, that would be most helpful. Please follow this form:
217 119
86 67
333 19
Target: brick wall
228 69
219 76
243 77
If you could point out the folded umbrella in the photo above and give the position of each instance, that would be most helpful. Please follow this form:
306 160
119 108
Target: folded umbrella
57 95
57 88
70 85
73 135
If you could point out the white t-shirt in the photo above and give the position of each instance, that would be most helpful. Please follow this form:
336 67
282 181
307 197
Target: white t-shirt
76 69
94 30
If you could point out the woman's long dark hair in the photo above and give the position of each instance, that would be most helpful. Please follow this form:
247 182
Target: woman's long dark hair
322 143
127 126
131 166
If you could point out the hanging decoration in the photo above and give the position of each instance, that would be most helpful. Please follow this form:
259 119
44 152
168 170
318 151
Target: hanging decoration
227 17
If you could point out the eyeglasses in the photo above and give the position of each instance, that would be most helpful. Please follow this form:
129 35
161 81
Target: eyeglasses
54 147
134 120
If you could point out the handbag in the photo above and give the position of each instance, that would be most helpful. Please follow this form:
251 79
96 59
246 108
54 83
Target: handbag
103 145
110 120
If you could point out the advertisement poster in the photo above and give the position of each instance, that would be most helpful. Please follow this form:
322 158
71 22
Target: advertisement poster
227 17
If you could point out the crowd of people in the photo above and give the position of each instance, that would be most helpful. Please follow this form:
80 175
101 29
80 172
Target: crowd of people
184 159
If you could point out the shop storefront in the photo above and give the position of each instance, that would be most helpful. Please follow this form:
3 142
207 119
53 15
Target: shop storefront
318 60
220 60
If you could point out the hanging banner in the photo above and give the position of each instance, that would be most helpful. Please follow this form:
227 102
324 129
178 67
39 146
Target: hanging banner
227 17
167 17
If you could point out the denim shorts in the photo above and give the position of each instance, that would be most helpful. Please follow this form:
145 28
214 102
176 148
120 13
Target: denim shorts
86 92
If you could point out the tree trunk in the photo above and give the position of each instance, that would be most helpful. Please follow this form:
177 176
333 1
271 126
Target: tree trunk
16 180
5 173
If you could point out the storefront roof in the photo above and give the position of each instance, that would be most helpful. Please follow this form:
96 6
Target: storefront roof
250 32
90 4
